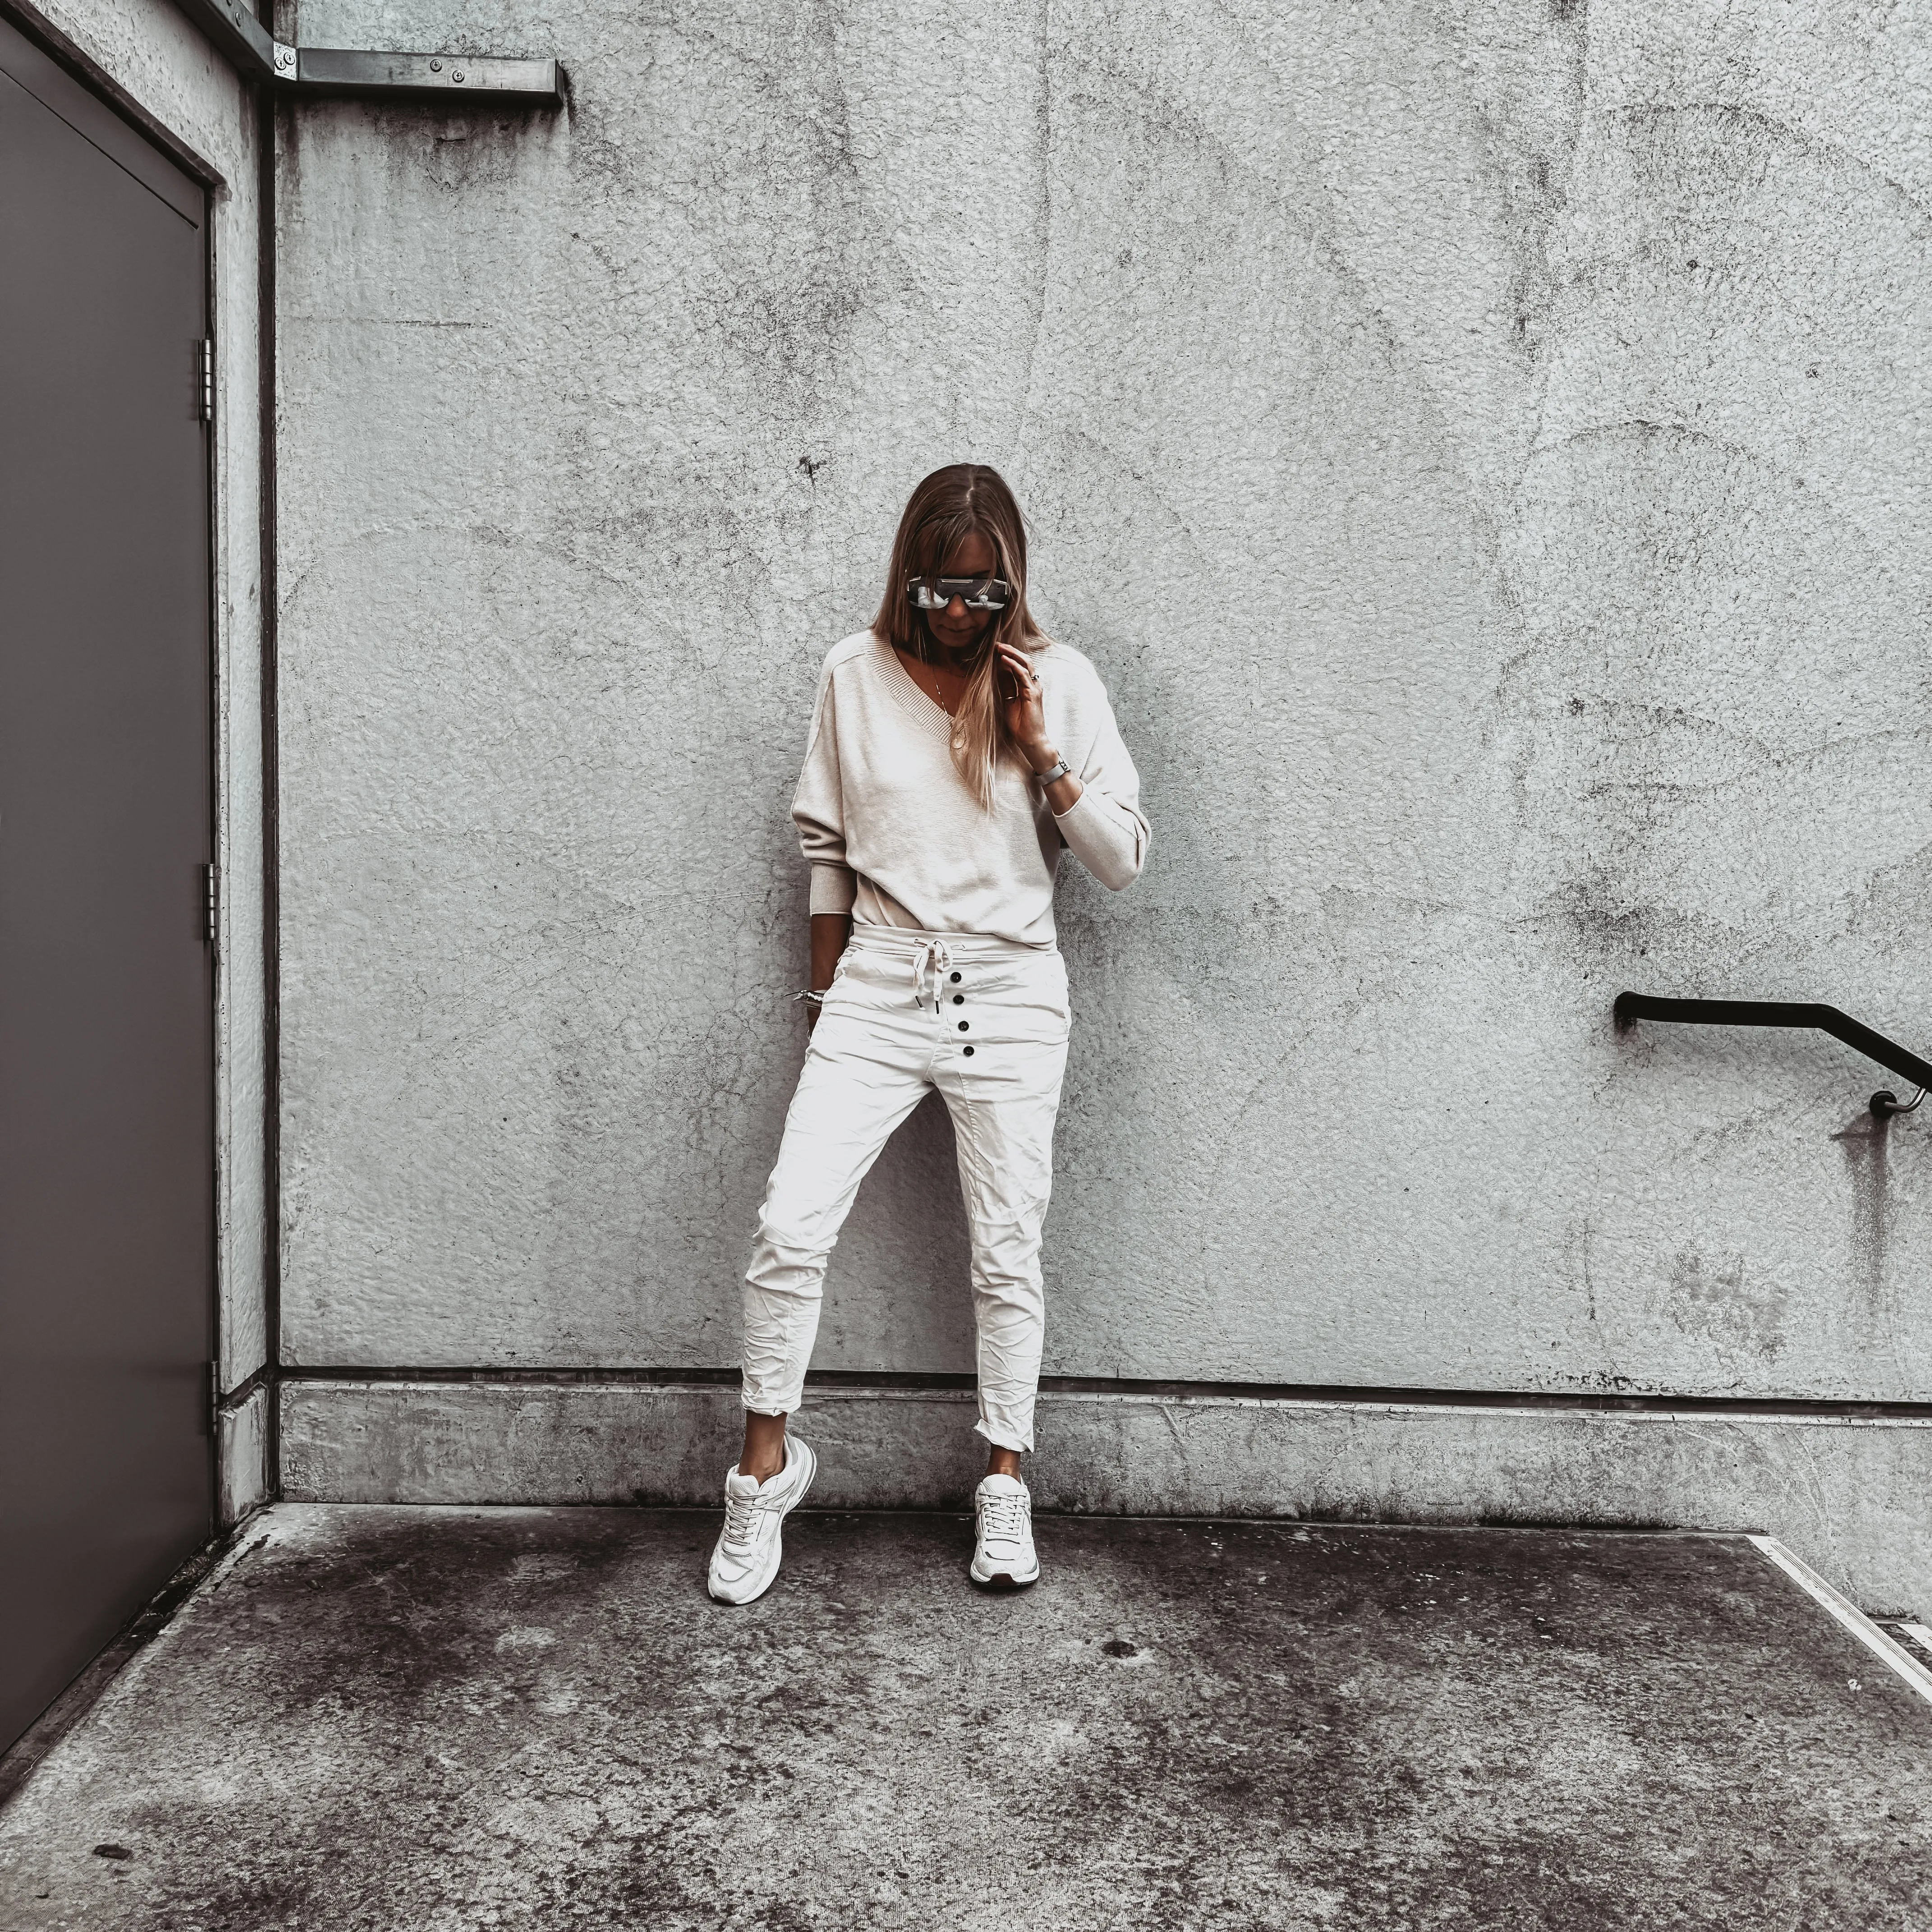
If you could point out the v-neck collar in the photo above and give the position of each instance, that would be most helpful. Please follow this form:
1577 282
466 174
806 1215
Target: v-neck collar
916 700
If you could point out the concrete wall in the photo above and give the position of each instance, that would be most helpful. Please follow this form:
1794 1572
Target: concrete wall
1484 449
147 52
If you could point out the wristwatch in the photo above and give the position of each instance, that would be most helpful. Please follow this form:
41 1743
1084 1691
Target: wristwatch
1061 770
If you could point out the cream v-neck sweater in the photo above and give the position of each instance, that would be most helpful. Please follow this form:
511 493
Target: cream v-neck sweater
895 837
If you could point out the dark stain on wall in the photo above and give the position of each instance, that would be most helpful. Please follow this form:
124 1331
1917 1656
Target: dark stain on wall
1718 1301
462 155
1866 1145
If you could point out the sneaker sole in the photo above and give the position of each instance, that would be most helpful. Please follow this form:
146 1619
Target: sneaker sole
1003 1580
778 1541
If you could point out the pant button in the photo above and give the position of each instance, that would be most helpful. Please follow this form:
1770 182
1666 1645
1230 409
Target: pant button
955 978
969 1053
959 999
962 1026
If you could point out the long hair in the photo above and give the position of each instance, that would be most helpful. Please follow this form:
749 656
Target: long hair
951 504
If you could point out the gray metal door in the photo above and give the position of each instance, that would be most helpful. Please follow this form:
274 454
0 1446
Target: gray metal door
107 1165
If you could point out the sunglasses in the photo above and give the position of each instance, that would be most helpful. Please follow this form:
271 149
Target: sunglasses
976 593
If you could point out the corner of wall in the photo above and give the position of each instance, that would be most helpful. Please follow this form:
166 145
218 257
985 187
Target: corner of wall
244 1477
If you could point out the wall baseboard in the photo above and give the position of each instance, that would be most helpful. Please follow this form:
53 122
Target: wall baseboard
1847 1492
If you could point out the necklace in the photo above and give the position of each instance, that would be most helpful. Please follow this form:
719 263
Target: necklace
938 695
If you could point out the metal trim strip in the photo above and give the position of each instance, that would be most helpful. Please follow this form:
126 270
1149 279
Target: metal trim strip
1893 1656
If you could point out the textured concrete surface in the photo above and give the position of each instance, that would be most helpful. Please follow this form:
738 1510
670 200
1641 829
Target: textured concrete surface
382 1718
244 1462
1847 1494
1484 450
149 50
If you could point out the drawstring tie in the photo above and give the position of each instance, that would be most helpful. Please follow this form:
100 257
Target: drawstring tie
930 955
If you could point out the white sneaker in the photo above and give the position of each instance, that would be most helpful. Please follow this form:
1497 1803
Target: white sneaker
746 1558
1004 1558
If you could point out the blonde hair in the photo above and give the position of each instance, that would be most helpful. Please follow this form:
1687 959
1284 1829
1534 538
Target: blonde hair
951 504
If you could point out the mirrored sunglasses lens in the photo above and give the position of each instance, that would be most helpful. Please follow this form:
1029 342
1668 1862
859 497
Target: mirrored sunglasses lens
976 593
979 593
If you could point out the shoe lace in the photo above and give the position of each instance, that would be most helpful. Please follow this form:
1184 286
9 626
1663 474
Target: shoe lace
1003 1518
741 1520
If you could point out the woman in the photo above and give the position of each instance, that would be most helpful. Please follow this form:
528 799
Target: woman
956 750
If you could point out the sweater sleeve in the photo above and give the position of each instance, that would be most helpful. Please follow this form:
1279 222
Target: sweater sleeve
1105 828
818 810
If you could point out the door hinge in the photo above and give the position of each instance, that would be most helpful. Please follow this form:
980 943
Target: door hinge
205 373
211 902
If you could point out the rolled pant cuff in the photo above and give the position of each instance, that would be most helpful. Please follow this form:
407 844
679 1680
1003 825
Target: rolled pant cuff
766 1405
1001 1437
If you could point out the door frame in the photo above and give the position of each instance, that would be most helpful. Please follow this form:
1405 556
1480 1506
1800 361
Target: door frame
151 86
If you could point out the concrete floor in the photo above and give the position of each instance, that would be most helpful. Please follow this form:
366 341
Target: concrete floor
386 1717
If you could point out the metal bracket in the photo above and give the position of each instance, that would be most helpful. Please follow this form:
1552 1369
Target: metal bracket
258 55
236 33
341 70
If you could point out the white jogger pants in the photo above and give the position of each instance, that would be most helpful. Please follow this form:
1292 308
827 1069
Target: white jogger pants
984 1021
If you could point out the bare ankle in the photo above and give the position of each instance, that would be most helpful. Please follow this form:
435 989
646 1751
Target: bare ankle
764 1453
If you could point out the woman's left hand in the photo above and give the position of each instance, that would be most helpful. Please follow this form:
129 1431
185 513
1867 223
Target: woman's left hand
1021 694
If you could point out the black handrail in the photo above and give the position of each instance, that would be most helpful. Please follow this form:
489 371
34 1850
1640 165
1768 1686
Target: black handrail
1632 1007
